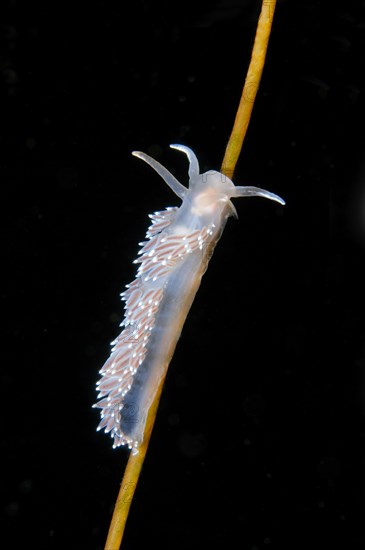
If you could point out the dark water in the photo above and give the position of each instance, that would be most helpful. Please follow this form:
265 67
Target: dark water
259 437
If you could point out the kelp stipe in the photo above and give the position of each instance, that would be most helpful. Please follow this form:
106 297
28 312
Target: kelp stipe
212 200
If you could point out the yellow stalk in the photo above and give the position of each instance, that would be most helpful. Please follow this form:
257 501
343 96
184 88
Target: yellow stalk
250 88
135 462
130 480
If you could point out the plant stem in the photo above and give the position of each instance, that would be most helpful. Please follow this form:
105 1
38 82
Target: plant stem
250 88
130 480
135 462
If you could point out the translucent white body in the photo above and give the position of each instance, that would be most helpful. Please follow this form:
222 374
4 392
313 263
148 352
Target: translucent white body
172 262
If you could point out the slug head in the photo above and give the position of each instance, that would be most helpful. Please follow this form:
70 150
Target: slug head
209 191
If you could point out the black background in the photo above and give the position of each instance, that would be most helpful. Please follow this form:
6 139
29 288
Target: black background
259 437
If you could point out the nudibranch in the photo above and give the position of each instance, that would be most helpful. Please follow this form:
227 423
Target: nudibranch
172 261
